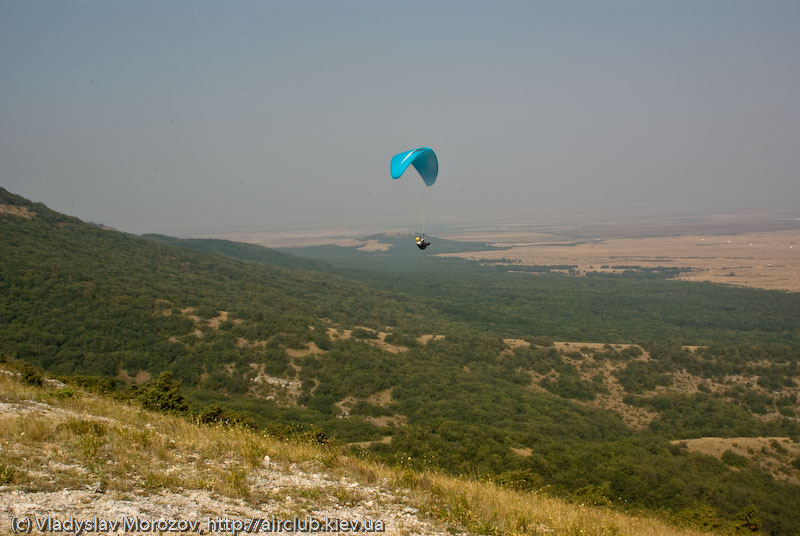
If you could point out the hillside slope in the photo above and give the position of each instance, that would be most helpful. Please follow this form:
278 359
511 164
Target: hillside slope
390 374
240 251
69 454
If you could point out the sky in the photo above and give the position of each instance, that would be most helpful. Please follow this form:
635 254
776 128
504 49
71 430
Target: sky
206 116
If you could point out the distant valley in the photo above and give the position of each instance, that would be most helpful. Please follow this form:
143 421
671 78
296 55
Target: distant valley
600 386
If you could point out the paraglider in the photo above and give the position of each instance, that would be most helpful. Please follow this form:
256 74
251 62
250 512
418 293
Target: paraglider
423 159
427 165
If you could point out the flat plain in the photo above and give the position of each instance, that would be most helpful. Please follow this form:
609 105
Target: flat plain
752 250
752 253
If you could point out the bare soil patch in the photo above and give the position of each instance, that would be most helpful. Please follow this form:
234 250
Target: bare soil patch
425 339
345 405
15 210
311 349
516 343
213 323
524 452
381 398
381 343
335 334
141 377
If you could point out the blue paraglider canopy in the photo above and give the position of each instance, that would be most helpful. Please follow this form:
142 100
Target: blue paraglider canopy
424 160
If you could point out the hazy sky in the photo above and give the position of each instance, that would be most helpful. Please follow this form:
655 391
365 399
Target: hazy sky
189 117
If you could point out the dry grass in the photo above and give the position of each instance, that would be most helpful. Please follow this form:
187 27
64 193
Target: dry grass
55 441
773 454
484 508
15 210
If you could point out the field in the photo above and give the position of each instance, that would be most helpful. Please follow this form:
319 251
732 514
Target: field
760 259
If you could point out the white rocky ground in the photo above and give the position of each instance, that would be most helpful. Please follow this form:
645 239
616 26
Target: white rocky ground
277 490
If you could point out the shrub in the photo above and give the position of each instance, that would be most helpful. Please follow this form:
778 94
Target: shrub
211 414
164 395
7 474
701 516
748 519
31 375
594 495
361 333
734 460
66 392
520 479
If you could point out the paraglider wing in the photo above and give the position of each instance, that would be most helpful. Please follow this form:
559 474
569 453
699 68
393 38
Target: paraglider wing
424 161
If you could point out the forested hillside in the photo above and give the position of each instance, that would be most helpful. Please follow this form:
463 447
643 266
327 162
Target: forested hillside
638 305
448 364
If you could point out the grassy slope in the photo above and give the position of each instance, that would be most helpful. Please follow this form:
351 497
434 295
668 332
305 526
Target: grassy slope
61 441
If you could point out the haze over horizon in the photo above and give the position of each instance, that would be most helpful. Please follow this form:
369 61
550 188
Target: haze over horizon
189 117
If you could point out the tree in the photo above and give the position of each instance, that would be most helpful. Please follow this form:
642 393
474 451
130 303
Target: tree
164 395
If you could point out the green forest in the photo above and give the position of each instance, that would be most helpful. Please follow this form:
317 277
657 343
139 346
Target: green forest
430 362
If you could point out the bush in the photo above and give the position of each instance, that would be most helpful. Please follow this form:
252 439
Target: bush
66 392
211 414
164 395
777 447
361 333
594 495
701 516
31 375
570 385
540 341
747 519
215 414
734 460
787 412
93 384
7 474
520 479
83 427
